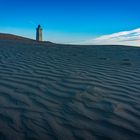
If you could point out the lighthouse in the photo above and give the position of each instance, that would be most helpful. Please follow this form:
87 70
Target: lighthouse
39 33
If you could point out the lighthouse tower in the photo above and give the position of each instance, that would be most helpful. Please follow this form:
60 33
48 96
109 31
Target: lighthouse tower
39 33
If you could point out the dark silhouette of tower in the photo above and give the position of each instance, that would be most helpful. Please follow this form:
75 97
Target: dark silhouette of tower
39 33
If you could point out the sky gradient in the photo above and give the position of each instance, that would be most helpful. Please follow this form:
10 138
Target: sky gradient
68 21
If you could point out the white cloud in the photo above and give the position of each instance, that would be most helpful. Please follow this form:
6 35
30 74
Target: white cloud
131 38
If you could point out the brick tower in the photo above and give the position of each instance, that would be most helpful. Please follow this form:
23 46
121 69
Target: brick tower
39 33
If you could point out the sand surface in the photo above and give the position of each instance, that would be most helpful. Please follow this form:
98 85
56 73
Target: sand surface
69 93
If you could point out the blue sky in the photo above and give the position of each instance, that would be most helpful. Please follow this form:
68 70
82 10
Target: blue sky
69 20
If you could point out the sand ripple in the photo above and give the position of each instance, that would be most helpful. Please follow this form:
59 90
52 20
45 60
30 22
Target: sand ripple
73 93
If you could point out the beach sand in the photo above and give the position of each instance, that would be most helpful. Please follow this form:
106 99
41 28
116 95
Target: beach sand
63 92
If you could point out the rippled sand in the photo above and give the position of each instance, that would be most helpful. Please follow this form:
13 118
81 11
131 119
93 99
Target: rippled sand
69 93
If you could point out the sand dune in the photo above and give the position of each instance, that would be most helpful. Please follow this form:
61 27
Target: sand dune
75 93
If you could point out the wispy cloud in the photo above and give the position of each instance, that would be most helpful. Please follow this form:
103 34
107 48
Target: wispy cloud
121 38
